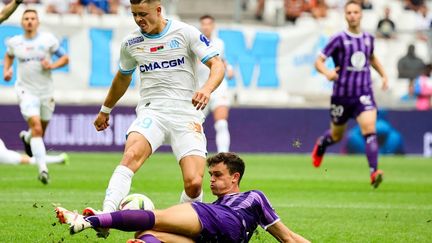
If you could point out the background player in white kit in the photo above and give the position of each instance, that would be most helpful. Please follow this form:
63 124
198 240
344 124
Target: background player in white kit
11 157
9 9
34 85
169 111
220 101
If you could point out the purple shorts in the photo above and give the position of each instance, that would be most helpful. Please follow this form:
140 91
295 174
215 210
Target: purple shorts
219 224
344 108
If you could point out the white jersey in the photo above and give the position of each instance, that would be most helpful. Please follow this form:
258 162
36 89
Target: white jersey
29 53
203 71
166 61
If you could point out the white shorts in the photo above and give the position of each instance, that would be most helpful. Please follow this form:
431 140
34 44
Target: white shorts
32 105
173 123
219 97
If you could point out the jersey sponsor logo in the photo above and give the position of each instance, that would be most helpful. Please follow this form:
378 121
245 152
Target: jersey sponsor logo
205 40
358 61
37 59
134 41
161 65
366 100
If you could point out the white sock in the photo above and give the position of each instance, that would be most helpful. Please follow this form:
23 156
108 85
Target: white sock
50 159
10 157
118 188
27 136
38 149
222 136
185 198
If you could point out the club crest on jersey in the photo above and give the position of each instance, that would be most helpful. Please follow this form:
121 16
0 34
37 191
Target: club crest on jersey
174 44
134 41
205 40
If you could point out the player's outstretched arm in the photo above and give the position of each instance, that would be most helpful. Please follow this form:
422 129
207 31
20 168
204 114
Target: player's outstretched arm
217 72
118 87
283 234
9 9
7 67
376 64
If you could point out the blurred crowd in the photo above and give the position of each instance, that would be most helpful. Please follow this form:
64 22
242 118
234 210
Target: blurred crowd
97 7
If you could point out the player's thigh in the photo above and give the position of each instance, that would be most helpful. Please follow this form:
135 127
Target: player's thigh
179 219
367 121
150 125
166 237
186 136
47 110
30 105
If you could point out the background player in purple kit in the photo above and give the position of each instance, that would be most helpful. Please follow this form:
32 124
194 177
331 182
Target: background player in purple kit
233 217
353 53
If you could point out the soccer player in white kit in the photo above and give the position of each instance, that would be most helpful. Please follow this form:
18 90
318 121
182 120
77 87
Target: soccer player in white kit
34 85
9 9
164 53
220 101
11 157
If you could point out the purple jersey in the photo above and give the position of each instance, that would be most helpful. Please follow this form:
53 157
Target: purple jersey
234 217
352 53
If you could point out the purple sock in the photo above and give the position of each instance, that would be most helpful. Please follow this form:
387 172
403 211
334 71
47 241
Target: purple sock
324 141
126 220
148 238
372 151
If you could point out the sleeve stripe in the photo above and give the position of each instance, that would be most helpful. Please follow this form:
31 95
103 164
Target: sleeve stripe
272 223
206 58
126 71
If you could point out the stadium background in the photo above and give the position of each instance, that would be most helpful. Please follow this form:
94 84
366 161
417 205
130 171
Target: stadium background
278 97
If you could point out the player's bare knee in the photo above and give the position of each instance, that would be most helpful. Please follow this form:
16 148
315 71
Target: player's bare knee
36 131
131 159
193 186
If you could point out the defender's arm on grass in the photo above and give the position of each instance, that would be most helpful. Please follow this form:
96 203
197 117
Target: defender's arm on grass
283 234
118 87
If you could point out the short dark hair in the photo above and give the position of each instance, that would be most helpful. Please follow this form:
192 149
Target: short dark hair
353 2
30 10
207 16
232 161
143 1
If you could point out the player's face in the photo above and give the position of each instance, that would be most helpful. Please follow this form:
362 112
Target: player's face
147 16
30 22
353 15
207 27
221 182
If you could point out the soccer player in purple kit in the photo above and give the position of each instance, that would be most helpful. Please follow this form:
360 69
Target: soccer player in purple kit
233 217
353 53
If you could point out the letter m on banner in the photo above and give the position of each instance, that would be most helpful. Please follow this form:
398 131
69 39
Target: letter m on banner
259 60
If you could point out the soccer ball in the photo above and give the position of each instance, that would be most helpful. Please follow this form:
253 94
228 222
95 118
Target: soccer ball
135 202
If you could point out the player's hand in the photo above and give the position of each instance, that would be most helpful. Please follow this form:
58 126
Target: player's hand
201 99
385 85
102 121
46 64
333 75
7 76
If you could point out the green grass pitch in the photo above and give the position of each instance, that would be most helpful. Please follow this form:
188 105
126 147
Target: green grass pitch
334 203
